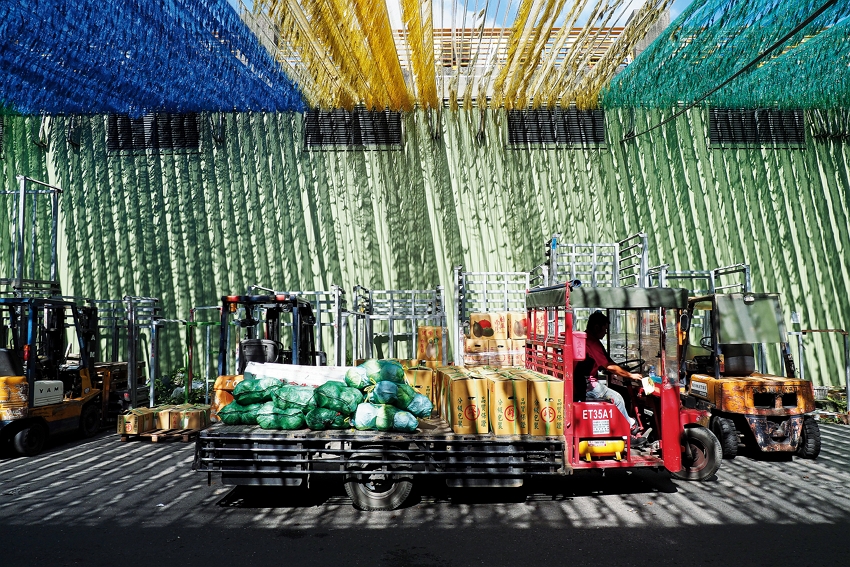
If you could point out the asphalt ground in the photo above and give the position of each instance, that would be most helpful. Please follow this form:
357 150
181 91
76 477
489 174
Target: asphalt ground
104 502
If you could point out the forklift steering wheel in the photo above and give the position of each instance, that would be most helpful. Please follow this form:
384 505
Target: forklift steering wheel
632 365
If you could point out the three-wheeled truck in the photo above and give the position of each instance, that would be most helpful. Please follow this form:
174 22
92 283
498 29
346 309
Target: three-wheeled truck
378 469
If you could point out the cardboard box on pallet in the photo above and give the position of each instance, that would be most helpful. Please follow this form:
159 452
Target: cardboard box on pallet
489 325
499 352
442 377
517 325
161 416
429 343
518 352
545 404
467 404
135 421
507 405
188 416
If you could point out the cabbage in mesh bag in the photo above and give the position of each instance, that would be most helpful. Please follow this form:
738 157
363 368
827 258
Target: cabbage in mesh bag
338 397
319 419
378 370
301 397
236 414
420 406
384 418
271 416
256 391
399 395
357 378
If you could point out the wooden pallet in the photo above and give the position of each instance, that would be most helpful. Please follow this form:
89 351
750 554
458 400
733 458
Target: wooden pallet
163 435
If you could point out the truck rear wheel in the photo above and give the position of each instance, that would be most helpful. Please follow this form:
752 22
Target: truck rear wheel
378 491
724 429
706 455
810 442
29 441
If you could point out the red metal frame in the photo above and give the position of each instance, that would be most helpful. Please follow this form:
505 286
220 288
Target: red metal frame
549 350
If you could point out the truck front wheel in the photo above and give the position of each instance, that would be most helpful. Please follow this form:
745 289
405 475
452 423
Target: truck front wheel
705 458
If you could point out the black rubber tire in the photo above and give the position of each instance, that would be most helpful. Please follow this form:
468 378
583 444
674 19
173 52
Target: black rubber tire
370 495
810 442
725 431
29 441
89 420
707 455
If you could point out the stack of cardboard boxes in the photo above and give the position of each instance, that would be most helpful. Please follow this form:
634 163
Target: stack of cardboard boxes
504 401
496 339
184 416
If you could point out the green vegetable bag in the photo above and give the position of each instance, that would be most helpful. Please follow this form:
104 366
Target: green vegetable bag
338 397
270 416
319 419
380 370
399 395
420 406
384 418
257 391
236 414
357 378
301 397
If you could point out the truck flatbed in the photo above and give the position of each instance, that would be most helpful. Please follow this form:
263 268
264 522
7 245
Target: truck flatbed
251 455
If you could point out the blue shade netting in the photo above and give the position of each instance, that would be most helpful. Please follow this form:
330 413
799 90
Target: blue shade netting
134 57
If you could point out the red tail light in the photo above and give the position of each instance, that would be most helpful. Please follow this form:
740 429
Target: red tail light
26 353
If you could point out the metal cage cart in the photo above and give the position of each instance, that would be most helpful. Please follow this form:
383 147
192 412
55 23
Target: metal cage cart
330 313
716 280
484 292
387 317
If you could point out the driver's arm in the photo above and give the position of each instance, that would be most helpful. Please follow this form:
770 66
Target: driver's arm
614 369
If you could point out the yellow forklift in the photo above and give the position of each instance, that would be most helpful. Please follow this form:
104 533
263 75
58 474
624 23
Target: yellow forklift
770 412
46 389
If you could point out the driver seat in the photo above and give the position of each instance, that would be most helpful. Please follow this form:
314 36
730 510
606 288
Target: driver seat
739 360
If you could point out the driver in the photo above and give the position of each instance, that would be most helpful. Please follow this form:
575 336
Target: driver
597 328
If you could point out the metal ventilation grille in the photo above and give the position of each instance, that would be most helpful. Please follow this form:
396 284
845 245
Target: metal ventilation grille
569 127
358 128
160 131
736 127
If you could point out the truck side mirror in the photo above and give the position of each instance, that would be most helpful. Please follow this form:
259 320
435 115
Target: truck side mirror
685 323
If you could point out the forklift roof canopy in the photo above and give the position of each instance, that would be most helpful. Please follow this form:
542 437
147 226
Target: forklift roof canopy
608 297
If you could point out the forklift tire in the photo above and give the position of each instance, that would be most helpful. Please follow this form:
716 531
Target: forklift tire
810 442
29 441
89 420
707 455
724 429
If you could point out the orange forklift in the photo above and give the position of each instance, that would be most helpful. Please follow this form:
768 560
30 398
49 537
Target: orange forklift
44 388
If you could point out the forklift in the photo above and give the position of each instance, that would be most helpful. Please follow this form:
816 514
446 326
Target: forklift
764 411
44 388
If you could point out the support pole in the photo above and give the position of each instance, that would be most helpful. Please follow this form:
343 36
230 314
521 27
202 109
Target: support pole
19 261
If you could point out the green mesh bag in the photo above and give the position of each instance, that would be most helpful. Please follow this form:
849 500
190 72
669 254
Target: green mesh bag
420 406
257 391
301 397
380 370
383 418
357 378
338 397
235 413
398 395
270 416
319 419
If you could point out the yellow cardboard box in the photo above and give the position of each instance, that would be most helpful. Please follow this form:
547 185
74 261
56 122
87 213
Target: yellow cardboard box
421 380
499 352
468 404
545 405
161 418
442 378
220 399
429 343
135 421
518 352
508 405
517 325
227 383
489 325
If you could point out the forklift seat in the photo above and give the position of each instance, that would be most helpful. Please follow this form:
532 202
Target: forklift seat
10 363
739 360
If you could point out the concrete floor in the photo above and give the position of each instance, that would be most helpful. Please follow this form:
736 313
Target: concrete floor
103 502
